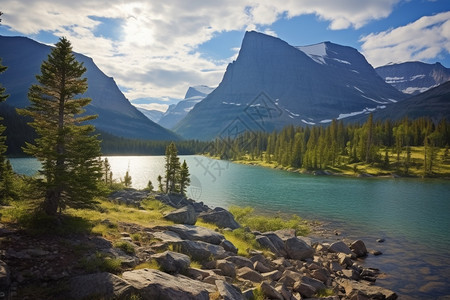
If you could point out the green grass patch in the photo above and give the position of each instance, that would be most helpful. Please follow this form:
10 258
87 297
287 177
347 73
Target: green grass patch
148 265
246 217
100 262
125 247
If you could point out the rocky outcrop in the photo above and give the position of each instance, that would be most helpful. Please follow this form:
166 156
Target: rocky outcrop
172 262
220 217
101 286
155 284
296 268
185 215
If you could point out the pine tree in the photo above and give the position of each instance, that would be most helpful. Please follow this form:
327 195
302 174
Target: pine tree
6 172
68 150
184 178
127 179
172 169
160 185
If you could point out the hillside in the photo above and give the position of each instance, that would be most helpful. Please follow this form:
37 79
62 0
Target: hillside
116 115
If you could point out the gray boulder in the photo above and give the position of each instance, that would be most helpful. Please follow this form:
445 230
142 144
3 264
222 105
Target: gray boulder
227 268
265 242
201 251
228 291
370 291
339 247
228 246
359 248
172 262
155 284
298 249
220 217
276 241
99 286
197 233
270 292
184 215
249 274
240 261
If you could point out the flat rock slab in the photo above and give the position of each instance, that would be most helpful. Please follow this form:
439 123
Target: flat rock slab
371 291
196 233
167 236
155 284
99 286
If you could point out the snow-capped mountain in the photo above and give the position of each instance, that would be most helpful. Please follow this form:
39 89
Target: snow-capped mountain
116 115
177 112
434 103
152 114
272 84
414 77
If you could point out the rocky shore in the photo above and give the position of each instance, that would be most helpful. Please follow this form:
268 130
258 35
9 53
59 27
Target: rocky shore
192 262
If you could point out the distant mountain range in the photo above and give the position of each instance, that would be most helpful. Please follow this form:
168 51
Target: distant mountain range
272 84
434 103
176 112
116 115
153 114
414 77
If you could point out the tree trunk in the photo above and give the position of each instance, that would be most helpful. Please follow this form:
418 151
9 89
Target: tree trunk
51 202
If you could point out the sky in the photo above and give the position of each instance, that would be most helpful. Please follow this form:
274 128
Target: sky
155 50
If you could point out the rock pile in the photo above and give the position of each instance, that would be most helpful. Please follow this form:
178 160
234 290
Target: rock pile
290 268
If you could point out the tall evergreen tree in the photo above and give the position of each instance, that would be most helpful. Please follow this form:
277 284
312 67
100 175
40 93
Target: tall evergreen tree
67 149
6 173
184 178
172 169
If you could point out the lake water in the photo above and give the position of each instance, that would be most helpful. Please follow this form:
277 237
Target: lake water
412 215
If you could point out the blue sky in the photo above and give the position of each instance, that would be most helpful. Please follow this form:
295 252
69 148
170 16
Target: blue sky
155 50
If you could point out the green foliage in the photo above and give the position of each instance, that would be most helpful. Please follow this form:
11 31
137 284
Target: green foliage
68 150
125 247
261 223
339 146
99 262
126 181
258 294
177 176
325 293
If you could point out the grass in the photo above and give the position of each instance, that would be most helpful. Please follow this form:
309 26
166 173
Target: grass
125 247
100 262
148 265
246 217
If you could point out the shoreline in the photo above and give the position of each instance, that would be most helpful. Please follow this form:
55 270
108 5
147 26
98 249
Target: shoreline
327 172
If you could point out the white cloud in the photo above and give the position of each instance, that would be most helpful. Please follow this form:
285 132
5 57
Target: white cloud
424 39
157 53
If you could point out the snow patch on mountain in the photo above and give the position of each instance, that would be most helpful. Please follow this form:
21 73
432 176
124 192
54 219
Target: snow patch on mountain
316 52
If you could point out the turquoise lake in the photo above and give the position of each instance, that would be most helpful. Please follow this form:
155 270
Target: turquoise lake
412 215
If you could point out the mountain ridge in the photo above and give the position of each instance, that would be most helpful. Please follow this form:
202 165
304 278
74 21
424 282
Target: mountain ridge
23 57
299 89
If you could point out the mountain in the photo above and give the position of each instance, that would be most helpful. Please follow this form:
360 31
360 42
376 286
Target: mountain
434 103
116 115
177 112
153 114
414 77
272 84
